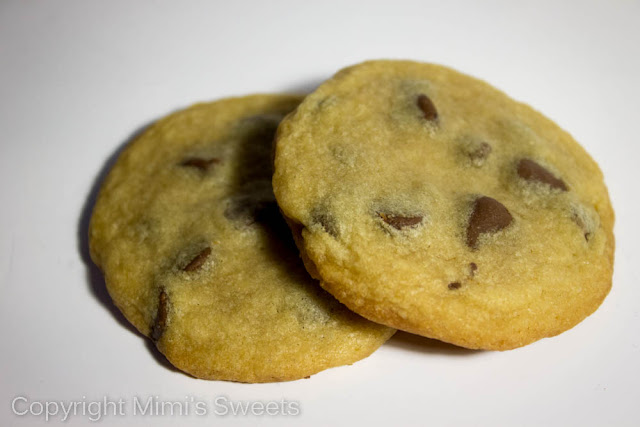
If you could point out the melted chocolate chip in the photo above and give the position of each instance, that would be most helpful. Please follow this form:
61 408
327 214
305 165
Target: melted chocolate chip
488 216
198 261
454 285
399 221
532 171
427 107
243 209
480 153
200 163
326 221
473 267
580 222
251 208
160 322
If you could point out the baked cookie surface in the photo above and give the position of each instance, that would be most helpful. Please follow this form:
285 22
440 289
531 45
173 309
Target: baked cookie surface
197 256
429 201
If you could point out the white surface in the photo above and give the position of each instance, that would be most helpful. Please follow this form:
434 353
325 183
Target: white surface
77 79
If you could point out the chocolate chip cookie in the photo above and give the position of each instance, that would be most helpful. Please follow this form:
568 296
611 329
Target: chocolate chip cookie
429 201
197 256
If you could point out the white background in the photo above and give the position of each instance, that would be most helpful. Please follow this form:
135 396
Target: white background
78 79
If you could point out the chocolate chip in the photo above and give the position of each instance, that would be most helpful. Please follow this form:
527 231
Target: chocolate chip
326 221
258 209
200 163
242 209
427 107
198 261
247 209
160 322
454 285
480 152
473 268
532 171
399 221
488 216
582 224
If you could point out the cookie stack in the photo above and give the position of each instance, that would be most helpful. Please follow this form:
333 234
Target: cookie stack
398 195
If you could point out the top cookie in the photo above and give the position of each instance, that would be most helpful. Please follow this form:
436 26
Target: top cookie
197 256
427 200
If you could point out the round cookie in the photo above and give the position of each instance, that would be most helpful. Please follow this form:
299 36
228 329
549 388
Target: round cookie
197 256
429 201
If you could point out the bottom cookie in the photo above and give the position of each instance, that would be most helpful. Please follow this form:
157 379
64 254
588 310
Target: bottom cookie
197 257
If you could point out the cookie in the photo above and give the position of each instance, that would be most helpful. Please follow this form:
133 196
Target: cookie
429 201
197 256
